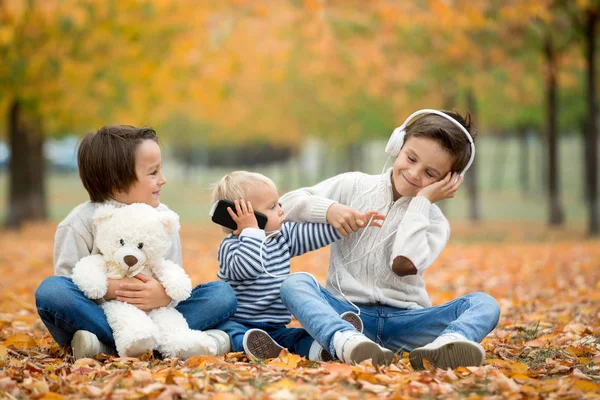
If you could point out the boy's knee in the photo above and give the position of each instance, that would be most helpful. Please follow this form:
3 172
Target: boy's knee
51 292
226 295
491 305
291 284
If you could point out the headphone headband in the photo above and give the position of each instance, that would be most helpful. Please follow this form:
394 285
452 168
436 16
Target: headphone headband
397 139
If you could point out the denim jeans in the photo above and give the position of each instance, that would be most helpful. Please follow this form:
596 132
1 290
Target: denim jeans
473 316
64 309
296 340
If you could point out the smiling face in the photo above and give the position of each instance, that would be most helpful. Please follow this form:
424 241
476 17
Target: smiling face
421 162
265 199
150 178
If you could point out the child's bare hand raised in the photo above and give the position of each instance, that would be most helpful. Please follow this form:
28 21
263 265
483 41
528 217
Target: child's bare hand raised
243 216
347 220
444 189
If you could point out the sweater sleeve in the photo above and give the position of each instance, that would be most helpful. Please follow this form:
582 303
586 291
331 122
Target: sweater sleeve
422 234
302 238
69 247
310 204
239 257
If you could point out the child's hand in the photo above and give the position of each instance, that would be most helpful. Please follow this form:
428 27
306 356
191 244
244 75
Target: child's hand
243 216
444 189
347 220
145 293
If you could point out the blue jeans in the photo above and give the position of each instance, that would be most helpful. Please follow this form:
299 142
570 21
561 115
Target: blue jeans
64 309
296 340
473 316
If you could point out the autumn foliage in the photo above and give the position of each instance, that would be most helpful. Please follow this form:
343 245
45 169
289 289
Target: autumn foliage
547 344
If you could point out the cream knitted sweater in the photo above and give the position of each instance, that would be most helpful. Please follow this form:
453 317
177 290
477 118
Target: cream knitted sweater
413 228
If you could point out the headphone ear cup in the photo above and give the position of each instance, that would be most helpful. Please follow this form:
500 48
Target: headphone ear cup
395 143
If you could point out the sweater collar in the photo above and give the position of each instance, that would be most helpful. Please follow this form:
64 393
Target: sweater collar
112 202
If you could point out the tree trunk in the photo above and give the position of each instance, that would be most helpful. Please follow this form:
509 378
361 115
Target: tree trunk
592 123
524 162
471 175
27 192
556 213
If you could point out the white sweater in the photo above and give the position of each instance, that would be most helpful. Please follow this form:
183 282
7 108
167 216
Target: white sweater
74 238
422 233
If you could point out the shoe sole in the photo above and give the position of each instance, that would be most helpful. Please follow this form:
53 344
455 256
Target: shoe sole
387 356
450 355
355 321
365 351
260 345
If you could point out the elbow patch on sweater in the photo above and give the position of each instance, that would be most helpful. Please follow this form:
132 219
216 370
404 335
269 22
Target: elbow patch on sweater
402 266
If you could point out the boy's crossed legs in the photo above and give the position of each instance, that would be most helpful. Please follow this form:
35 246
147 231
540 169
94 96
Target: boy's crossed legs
442 334
72 318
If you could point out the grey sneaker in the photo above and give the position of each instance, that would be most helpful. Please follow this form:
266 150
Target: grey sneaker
356 322
222 339
259 345
87 345
450 350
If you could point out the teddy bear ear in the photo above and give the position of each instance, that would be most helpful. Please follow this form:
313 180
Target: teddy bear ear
103 214
170 221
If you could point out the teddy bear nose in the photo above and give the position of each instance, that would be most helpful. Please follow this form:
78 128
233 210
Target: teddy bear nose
130 260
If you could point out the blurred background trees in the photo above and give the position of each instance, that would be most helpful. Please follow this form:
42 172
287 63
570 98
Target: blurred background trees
240 83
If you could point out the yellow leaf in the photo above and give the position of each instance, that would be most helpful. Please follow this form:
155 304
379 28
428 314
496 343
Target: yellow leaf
521 377
587 386
3 353
519 368
51 396
201 361
286 360
20 341
280 384
366 377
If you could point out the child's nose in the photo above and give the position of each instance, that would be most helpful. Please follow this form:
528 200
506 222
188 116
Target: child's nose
163 179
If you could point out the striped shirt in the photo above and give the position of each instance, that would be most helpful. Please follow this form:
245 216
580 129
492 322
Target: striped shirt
257 292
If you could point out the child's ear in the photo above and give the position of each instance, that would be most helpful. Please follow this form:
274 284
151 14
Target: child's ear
170 221
103 214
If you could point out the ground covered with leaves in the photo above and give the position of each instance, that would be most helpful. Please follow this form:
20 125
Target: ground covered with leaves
547 344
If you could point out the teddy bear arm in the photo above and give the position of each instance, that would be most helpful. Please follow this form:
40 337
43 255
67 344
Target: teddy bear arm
89 274
174 279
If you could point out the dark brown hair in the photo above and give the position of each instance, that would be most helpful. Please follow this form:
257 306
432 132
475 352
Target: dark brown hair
449 136
106 159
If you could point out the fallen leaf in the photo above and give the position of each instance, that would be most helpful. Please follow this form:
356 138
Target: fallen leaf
20 341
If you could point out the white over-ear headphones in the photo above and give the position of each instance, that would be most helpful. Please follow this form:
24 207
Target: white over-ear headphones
397 139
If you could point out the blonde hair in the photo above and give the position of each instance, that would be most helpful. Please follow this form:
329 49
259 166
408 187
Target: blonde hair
237 184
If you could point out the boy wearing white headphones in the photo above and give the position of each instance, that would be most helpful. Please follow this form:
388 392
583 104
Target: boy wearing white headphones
381 269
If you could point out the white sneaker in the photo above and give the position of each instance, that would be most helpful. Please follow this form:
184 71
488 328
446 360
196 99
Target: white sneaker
87 345
222 339
352 347
259 345
450 350
318 353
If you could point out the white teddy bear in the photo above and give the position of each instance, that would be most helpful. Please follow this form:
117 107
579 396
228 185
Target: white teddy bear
132 240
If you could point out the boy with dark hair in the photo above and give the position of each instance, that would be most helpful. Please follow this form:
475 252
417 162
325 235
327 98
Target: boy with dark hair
383 276
118 165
